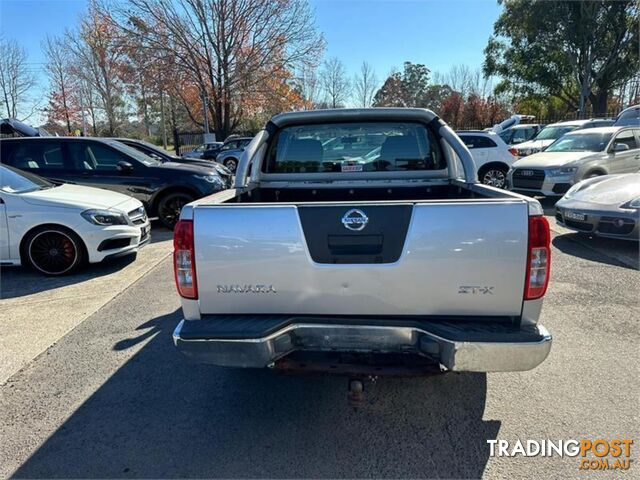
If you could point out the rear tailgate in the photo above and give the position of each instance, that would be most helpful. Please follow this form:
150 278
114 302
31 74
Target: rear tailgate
448 258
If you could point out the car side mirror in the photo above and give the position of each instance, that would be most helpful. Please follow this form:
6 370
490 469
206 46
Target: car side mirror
620 147
124 167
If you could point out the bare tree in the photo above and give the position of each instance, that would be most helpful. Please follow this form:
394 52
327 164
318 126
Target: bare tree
99 60
88 103
460 79
308 85
466 81
233 51
365 85
62 84
335 84
16 79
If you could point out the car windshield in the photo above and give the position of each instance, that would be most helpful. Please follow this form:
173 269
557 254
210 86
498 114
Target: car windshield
551 133
354 147
631 117
15 181
132 152
506 135
162 154
581 142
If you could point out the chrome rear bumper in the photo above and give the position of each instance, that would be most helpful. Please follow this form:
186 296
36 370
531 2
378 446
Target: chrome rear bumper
510 352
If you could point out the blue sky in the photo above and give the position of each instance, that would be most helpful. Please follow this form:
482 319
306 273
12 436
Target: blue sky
438 33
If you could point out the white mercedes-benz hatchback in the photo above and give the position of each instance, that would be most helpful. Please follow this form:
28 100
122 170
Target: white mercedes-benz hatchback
56 228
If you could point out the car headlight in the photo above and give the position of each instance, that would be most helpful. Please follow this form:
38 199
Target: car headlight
562 171
221 168
214 179
635 204
104 217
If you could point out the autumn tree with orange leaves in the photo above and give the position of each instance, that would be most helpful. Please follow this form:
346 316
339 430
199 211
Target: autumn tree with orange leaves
238 53
100 62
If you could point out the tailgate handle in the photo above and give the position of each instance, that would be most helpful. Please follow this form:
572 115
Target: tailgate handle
355 244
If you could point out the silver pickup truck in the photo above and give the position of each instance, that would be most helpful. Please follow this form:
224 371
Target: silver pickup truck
361 238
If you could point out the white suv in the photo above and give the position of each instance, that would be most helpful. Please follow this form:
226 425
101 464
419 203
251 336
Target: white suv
492 156
551 133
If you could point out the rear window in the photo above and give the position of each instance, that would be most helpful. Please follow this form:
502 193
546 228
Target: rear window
354 147
477 141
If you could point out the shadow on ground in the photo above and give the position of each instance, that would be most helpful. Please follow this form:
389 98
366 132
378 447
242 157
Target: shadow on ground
21 281
548 205
574 243
159 416
160 233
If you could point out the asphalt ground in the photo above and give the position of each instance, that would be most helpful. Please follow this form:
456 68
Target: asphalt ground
108 396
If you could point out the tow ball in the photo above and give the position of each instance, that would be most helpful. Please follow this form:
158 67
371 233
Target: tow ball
355 393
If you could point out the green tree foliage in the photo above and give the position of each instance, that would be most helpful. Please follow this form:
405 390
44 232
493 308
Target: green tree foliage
577 51
411 88
404 89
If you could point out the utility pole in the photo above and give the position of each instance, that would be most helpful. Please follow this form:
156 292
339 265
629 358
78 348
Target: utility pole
84 120
208 137
205 102
164 127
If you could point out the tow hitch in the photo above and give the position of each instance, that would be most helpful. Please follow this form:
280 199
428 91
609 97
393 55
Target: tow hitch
358 368
355 394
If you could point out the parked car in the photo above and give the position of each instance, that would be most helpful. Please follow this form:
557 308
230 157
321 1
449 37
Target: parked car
606 206
10 127
575 156
104 163
551 133
629 117
199 151
230 153
491 155
164 156
402 263
520 133
55 228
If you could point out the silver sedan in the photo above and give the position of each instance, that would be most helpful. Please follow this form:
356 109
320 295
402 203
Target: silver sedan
608 206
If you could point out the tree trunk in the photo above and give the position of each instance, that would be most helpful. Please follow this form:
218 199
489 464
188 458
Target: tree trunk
66 109
145 109
599 103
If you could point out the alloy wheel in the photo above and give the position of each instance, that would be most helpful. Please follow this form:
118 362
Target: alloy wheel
231 164
495 178
53 252
171 206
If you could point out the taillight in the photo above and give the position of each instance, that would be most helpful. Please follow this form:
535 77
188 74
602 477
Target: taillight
513 151
538 258
184 260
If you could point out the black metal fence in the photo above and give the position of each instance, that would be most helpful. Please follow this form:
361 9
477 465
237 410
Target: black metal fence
185 141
